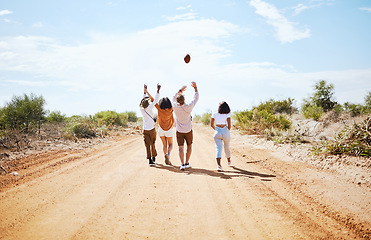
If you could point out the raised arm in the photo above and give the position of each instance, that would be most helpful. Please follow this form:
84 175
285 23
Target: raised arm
147 93
196 96
194 85
179 92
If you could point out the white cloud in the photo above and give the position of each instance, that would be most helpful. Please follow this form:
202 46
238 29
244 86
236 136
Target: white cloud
109 72
365 9
5 12
299 8
184 7
111 62
186 16
285 30
312 4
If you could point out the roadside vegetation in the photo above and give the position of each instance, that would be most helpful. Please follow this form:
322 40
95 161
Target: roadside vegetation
354 140
273 119
24 119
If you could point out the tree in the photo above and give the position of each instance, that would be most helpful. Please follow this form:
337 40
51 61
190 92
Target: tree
323 96
56 117
132 116
368 100
22 111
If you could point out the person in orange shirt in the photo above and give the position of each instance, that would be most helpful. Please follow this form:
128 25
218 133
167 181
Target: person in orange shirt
165 129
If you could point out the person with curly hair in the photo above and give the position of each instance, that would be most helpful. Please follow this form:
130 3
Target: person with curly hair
221 123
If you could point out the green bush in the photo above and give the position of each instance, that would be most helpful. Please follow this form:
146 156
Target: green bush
56 117
257 122
22 112
274 106
2 120
197 118
132 116
80 127
206 118
321 101
323 96
354 109
368 101
110 118
353 140
312 111
338 108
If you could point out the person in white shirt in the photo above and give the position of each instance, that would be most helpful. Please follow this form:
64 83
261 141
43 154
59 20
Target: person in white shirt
149 122
221 123
183 121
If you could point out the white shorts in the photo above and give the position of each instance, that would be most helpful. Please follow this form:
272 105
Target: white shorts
168 133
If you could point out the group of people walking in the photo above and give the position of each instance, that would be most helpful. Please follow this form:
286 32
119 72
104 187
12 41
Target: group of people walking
220 122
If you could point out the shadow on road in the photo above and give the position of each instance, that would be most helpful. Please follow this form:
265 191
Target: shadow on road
227 174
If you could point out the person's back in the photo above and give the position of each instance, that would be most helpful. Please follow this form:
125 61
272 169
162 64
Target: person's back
165 129
165 114
183 122
149 131
183 114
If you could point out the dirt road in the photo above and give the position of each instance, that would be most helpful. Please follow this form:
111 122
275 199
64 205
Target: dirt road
112 193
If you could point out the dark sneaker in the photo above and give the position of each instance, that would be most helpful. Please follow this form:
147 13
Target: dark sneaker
151 162
182 167
154 159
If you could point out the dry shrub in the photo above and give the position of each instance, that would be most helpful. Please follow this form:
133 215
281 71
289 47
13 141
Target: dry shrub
354 140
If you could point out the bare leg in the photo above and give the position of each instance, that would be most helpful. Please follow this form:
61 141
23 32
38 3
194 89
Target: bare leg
181 154
218 161
170 145
189 152
164 144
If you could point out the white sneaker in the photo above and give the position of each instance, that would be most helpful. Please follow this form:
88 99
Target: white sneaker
182 167
187 165
220 169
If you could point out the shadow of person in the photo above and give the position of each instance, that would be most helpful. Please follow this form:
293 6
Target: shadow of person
237 172
192 170
252 174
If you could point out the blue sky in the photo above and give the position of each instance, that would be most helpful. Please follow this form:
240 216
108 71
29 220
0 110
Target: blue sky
88 56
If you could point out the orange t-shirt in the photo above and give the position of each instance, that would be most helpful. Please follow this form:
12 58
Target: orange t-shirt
165 117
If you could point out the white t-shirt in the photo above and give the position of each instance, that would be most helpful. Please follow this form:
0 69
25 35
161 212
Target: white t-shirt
220 119
148 123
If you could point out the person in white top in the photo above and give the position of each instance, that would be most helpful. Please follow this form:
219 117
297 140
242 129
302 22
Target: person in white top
221 123
149 122
183 121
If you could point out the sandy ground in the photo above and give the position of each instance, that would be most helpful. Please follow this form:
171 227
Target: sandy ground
109 192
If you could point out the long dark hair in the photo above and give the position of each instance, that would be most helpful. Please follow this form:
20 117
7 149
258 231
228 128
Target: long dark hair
165 103
224 108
